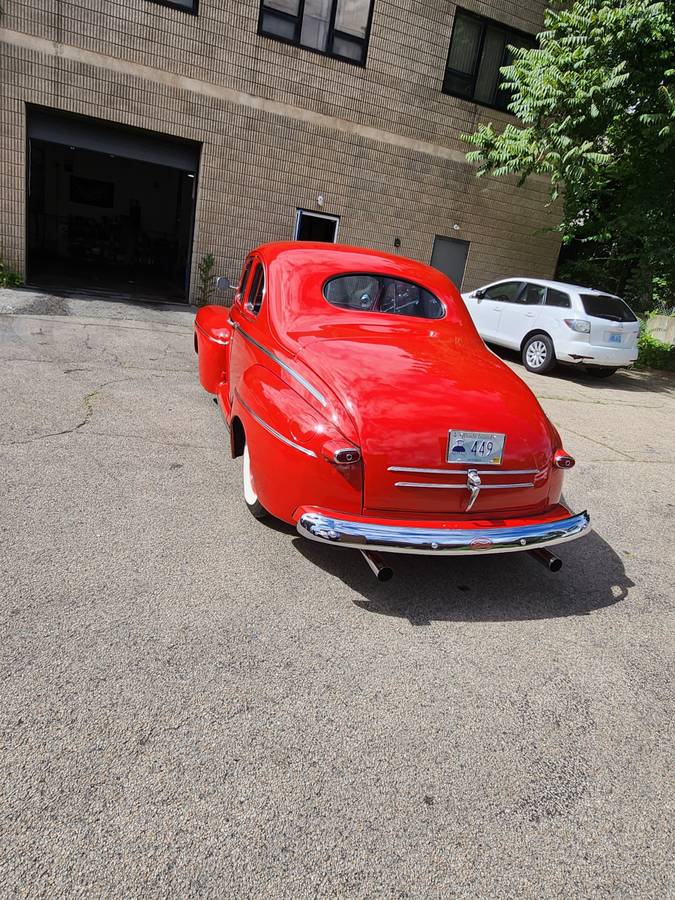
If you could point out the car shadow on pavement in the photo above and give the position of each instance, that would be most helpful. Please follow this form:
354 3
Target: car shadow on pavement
631 380
497 587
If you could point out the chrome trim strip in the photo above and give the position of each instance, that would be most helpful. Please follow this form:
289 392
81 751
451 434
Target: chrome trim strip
299 378
420 484
461 471
461 487
273 431
209 337
444 541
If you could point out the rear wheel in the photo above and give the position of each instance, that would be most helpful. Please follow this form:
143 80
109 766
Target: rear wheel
600 371
251 498
538 354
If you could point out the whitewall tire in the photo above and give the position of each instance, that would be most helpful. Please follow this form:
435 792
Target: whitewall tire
250 496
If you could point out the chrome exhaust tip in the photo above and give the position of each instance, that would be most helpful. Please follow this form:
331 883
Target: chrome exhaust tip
552 562
378 567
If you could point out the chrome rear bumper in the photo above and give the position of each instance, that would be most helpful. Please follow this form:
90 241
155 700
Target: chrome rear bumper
450 541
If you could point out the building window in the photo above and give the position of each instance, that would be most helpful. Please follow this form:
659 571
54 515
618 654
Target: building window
478 49
333 27
189 6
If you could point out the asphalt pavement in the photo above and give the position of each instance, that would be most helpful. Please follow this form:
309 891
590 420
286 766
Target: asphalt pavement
194 703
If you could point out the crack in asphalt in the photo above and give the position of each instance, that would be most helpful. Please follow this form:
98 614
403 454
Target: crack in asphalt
175 445
135 437
590 402
105 323
596 441
60 362
88 402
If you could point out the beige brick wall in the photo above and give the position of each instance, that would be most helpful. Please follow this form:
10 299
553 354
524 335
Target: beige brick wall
326 127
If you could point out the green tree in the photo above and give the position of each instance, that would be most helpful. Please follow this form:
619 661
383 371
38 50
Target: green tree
596 108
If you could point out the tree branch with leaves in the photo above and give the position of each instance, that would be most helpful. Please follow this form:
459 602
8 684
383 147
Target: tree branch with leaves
596 108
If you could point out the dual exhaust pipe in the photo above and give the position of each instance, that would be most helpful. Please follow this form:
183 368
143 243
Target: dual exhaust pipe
383 572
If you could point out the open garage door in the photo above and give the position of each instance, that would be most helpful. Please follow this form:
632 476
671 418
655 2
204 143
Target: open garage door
108 208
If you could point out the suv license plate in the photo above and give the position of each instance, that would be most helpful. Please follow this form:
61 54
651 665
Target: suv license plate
475 447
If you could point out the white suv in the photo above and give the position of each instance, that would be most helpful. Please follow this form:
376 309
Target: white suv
549 321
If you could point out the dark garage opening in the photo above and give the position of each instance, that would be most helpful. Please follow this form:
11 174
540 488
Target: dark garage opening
109 209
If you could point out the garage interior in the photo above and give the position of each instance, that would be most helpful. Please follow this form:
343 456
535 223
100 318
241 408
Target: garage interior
108 209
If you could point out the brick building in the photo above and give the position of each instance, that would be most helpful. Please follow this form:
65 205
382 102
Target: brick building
137 138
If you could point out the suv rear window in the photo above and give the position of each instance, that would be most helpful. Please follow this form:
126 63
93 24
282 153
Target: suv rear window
605 306
380 293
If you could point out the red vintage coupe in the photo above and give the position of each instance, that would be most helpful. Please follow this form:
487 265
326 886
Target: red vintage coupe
370 414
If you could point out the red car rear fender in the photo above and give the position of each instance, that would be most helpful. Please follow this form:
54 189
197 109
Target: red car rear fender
329 408
292 447
281 406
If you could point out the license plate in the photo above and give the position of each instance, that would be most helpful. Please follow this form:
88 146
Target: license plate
475 447
614 338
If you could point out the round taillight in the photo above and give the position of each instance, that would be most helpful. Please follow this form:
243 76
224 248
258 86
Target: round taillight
562 460
347 456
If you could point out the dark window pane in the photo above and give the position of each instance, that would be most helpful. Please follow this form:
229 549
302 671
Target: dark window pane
308 24
352 16
490 61
290 7
379 293
464 44
557 298
315 21
313 227
604 306
503 97
532 295
459 84
353 291
351 49
507 291
276 25
478 50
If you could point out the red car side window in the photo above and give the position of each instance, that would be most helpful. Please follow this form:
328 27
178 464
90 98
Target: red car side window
256 290
241 291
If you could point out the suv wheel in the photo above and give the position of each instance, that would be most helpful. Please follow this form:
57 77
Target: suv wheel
538 354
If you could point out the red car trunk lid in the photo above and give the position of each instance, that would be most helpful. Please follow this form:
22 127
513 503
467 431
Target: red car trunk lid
406 392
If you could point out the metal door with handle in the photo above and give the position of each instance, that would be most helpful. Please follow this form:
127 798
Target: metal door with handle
520 316
491 306
449 256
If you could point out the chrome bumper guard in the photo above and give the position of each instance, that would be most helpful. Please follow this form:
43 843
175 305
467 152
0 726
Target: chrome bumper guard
444 541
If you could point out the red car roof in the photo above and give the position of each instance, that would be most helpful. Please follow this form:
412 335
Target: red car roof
296 307
335 258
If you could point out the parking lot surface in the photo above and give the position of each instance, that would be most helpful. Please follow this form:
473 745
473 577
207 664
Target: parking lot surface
195 703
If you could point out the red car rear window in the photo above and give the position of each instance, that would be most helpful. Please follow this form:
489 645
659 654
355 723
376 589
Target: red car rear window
367 292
